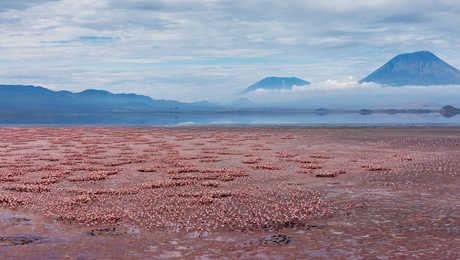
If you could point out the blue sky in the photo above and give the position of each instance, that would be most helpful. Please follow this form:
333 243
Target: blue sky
193 50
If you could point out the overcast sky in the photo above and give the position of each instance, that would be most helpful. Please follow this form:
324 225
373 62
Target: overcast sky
210 49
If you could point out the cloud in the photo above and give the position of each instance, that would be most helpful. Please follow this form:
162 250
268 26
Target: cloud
351 94
405 18
210 49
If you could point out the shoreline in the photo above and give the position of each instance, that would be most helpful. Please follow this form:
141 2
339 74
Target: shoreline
239 126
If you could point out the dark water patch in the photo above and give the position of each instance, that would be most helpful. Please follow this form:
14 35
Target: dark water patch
273 227
20 240
127 230
278 239
109 231
11 218
274 240
19 220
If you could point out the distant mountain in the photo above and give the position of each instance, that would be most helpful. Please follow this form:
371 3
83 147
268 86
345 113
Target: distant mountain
449 111
18 98
322 111
419 68
276 83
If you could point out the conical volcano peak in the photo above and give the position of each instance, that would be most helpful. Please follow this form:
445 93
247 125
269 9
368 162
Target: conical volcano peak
271 83
416 68
420 54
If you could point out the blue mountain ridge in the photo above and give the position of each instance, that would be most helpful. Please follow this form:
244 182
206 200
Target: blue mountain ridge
421 68
19 98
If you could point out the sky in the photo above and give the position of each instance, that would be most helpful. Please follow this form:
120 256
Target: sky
191 50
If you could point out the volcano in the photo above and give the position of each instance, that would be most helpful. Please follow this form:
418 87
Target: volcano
272 83
421 68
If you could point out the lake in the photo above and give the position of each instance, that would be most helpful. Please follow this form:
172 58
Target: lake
230 118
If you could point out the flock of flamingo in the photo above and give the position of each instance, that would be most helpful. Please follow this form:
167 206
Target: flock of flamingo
167 178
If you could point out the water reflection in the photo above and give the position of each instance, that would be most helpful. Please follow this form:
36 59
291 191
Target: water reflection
232 118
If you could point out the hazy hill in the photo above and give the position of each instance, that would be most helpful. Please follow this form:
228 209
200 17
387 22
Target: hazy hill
276 83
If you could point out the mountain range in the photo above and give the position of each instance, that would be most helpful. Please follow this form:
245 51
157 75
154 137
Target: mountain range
418 68
421 68
29 100
18 98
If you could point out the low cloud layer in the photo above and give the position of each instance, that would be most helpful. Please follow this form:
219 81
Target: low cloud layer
349 94
211 49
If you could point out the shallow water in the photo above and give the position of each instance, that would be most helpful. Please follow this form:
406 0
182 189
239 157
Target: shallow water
231 118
